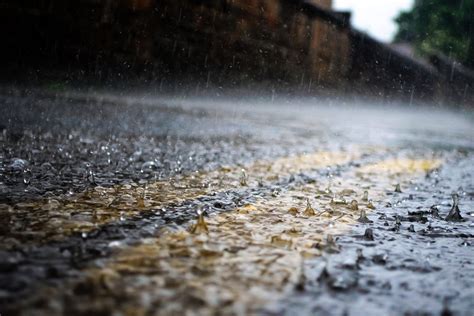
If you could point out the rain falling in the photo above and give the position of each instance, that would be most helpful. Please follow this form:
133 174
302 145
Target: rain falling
236 157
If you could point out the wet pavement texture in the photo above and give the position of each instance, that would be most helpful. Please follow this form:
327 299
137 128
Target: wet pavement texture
138 204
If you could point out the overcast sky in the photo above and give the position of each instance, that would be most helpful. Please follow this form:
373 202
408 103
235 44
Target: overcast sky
375 17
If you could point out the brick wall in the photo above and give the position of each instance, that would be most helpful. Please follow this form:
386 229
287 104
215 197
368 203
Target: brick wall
287 44
235 40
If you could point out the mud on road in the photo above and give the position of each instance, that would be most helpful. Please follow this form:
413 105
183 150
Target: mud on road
143 205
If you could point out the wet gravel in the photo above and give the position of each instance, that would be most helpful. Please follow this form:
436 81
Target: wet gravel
402 260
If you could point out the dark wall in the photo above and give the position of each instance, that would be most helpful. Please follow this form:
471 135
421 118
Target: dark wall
276 44
380 70
220 41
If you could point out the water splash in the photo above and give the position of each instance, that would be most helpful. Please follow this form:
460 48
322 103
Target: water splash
434 211
369 234
293 211
455 214
243 178
398 188
338 201
363 218
281 242
200 226
398 224
309 211
370 205
365 197
354 205
331 245
27 175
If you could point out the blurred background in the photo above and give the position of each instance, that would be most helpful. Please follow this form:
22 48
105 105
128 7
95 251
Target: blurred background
405 49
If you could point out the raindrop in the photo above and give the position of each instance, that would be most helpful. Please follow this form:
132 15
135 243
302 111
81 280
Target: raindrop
27 176
328 188
363 218
455 214
434 211
360 256
115 244
148 166
365 198
369 234
397 220
281 242
200 226
371 205
354 205
243 178
336 201
300 285
331 245
309 211
398 188
90 175
293 211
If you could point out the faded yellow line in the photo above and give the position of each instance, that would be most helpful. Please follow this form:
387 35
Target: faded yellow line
56 218
394 172
251 256
394 167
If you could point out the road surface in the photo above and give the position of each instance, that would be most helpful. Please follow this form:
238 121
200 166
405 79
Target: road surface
116 203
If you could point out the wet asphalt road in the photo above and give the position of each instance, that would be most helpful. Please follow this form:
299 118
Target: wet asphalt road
89 180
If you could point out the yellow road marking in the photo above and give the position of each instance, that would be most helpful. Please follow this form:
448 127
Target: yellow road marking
394 167
252 256
56 218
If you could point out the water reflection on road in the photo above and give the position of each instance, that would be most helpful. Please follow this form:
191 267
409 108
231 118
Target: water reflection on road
310 206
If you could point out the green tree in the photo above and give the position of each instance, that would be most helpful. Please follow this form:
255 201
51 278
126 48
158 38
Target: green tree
445 26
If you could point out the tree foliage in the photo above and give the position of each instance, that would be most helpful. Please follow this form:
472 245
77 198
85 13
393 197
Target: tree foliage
445 26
